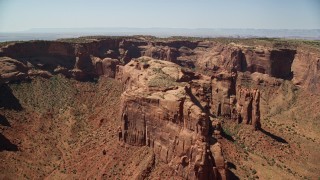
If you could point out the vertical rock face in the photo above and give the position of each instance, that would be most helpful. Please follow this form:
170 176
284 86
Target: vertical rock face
239 104
222 57
245 105
248 107
223 87
281 62
257 60
256 109
130 49
159 52
83 68
38 49
274 62
306 70
105 67
74 59
158 111
220 169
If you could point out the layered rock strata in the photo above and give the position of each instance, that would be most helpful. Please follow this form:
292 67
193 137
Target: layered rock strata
158 112
77 59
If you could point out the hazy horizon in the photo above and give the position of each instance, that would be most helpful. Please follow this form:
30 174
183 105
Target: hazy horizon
50 20
20 16
58 33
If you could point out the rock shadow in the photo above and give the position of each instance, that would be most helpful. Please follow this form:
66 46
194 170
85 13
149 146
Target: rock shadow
185 63
242 65
212 140
232 176
281 63
48 62
275 137
6 145
227 136
197 102
231 165
8 100
4 121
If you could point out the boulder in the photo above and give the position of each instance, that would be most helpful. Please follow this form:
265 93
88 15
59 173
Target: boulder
12 70
105 67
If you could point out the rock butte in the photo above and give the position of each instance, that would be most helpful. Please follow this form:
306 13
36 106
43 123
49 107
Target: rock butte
177 93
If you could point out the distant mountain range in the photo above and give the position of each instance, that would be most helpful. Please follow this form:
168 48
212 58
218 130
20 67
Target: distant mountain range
55 33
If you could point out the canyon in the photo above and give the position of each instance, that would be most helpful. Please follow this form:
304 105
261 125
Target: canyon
141 107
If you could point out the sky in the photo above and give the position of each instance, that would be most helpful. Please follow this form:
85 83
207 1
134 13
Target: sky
21 15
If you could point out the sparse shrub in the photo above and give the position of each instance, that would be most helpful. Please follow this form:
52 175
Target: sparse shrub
254 171
227 131
161 79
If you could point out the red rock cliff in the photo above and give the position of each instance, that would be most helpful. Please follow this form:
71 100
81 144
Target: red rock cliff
158 112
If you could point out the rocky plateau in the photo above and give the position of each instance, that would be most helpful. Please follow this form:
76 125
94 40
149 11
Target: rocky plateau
141 107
